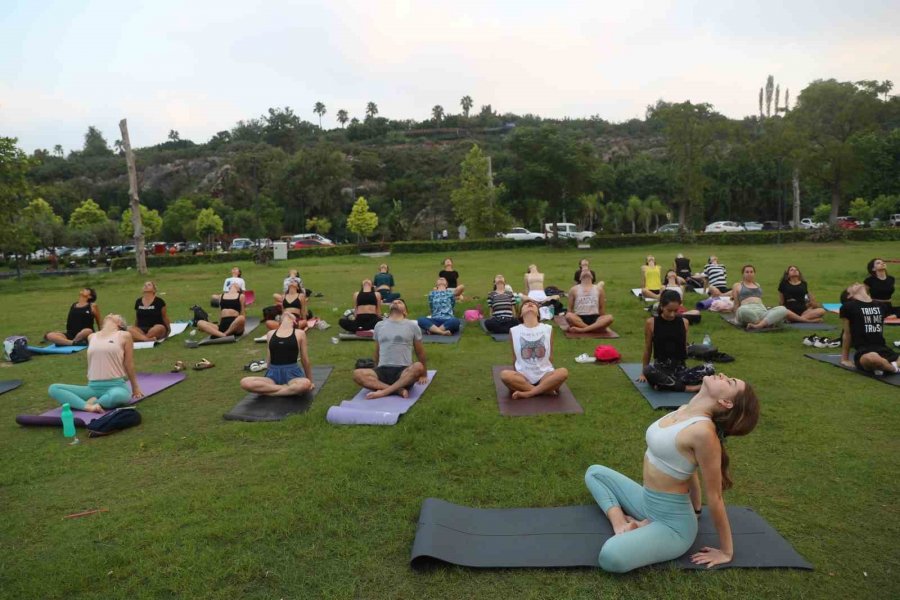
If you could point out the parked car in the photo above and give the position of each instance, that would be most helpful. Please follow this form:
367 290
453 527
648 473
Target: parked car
567 231
262 243
894 221
724 227
240 244
79 252
321 239
520 233
808 223
848 223
774 226
306 243
753 226
669 228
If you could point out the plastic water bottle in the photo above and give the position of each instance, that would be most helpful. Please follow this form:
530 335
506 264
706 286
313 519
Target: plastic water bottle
707 341
68 423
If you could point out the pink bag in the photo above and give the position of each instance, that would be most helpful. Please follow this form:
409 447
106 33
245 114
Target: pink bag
473 314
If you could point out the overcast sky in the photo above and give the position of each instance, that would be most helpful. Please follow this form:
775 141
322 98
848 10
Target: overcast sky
198 66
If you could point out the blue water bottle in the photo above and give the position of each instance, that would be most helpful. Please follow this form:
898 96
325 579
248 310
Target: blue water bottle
68 423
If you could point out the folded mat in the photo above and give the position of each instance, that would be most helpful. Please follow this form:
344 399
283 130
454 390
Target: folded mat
561 403
636 292
656 398
571 536
250 324
607 334
151 383
430 338
497 337
380 411
9 385
835 359
54 349
274 408
731 319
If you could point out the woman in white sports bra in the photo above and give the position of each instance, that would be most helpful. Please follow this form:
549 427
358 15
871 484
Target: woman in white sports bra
657 522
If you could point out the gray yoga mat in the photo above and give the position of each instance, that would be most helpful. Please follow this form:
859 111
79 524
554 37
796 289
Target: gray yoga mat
380 411
731 319
562 403
656 398
430 338
255 408
835 359
497 337
352 337
250 324
9 385
571 536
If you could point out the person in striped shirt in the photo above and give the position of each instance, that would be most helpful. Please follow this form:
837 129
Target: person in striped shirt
716 278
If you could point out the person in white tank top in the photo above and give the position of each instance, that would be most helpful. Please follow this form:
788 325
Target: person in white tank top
587 306
532 345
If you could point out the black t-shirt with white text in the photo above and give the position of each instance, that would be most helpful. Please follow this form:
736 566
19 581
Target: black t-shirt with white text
866 323
148 316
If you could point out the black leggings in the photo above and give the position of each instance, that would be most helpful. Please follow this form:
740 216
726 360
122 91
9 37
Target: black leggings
500 324
363 322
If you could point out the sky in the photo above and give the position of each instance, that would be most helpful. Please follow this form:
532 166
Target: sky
199 66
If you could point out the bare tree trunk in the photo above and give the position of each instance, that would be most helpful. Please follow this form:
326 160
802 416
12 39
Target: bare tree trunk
795 183
139 254
835 203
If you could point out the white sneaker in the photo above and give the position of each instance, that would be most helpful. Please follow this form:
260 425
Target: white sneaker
260 339
322 325
810 340
585 358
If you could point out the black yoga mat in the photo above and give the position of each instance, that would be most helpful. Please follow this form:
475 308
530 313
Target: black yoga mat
497 337
250 324
274 408
656 398
9 385
430 338
571 536
835 359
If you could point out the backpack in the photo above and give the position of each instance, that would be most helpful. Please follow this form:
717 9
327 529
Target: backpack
114 420
199 315
607 354
15 349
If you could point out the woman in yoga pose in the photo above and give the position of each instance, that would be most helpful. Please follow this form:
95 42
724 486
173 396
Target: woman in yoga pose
716 276
657 522
384 284
880 285
293 276
232 315
795 296
451 276
292 301
80 322
367 309
284 376
587 306
582 265
748 305
651 281
863 322
441 300
532 345
665 340
534 286
152 322
110 359
503 308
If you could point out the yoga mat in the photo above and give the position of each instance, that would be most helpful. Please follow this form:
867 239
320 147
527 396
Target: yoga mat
350 337
571 536
892 320
700 291
731 319
835 359
430 338
497 337
608 334
562 403
655 398
637 294
250 324
380 411
254 408
178 327
151 383
9 385
54 349
834 308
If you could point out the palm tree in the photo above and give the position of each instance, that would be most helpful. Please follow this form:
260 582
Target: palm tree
58 150
319 109
466 103
634 212
437 112
371 110
342 117
590 205
655 210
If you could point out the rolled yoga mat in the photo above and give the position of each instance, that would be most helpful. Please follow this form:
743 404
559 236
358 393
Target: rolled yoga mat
380 411
835 359
608 334
562 403
655 398
256 408
430 338
571 536
9 385
497 337
151 383
54 349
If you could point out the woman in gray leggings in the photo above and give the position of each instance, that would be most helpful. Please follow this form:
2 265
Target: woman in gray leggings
748 305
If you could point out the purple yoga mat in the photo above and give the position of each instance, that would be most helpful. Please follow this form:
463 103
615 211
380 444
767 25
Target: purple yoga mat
381 411
151 383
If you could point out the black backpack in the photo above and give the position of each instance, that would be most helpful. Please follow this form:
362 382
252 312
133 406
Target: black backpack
114 420
15 349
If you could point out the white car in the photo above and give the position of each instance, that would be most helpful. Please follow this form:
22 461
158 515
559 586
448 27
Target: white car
894 220
753 226
79 252
567 231
724 227
520 233
808 223
321 239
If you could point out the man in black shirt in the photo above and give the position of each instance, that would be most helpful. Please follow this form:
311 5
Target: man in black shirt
863 322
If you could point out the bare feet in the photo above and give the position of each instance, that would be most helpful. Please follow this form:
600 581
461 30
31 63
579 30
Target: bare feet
92 406
625 527
402 392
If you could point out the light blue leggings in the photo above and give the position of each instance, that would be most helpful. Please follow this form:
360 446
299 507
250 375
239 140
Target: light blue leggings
109 393
671 532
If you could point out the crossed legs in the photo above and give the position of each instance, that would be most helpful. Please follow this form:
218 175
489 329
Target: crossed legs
577 325
368 378
59 338
520 387
266 387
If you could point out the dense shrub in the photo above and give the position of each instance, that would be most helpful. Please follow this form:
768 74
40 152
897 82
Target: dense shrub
458 245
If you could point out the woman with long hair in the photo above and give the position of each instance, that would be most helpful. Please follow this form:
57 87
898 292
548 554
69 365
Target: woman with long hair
232 315
80 322
503 308
284 377
292 301
794 295
651 280
657 521
152 322
384 284
880 285
366 311
748 305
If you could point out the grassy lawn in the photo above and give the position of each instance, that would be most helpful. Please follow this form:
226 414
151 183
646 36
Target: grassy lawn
202 507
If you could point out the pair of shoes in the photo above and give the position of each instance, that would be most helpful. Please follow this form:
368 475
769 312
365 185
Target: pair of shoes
827 343
256 366
178 367
810 340
585 358
203 364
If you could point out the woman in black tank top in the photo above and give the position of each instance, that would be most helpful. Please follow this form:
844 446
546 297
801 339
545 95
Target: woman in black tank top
284 377
80 322
232 315
367 311
293 301
665 340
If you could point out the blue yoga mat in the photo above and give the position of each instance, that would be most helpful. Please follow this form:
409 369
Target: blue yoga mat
54 349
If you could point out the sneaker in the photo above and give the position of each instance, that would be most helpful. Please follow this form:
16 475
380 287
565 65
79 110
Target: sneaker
810 340
709 369
260 339
897 344
822 342
322 325
833 343
585 358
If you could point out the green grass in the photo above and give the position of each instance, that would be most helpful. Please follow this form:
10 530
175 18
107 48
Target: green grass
202 507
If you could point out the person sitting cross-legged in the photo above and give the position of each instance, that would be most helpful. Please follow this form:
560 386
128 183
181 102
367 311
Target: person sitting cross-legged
587 306
284 377
395 372
441 300
532 345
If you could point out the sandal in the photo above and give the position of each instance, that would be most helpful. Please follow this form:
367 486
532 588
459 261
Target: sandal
585 358
203 364
178 367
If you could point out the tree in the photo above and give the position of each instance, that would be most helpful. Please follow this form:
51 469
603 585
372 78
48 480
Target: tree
15 236
466 103
371 110
95 144
884 206
319 225
362 221
590 206
437 112
209 225
86 215
862 210
179 220
635 211
655 210
821 213
770 87
58 150
397 221
310 182
342 117
319 109
119 147
47 227
174 136
150 220
475 200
